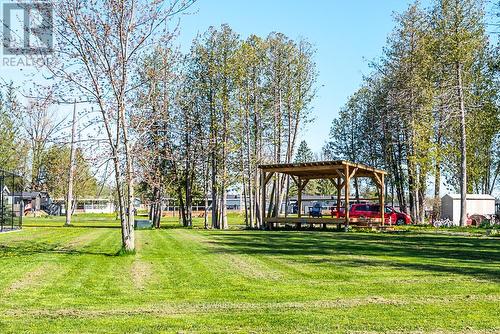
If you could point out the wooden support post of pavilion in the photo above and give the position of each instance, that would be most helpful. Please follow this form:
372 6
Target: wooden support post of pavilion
382 199
263 200
299 200
347 193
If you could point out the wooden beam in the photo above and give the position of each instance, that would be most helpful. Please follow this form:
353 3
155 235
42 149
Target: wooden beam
353 172
377 180
339 193
304 220
346 204
309 220
318 176
315 166
334 182
382 198
268 177
299 202
340 173
263 199
302 169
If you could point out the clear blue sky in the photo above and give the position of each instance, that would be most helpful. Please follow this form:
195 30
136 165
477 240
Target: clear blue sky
347 35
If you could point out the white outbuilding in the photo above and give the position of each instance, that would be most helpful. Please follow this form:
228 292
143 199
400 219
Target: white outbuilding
477 204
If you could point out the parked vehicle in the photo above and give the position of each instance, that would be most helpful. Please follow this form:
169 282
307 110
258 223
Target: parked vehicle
315 210
392 216
336 214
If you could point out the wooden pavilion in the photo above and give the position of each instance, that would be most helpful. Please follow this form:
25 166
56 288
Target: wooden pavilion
339 173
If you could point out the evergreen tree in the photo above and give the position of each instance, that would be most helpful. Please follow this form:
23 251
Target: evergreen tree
304 153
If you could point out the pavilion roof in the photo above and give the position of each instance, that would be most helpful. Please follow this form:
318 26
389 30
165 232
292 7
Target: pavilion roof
322 169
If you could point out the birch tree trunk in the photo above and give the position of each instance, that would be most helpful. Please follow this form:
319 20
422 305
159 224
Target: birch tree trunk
129 237
71 170
463 149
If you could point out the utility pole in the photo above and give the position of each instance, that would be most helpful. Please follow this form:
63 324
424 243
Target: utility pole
71 169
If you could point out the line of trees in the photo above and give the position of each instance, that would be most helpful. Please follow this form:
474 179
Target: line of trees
220 111
192 125
429 112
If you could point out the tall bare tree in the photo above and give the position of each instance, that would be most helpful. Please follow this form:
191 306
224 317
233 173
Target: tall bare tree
100 45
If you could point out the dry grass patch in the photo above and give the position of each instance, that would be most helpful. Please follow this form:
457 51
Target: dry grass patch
141 272
33 277
85 238
164 309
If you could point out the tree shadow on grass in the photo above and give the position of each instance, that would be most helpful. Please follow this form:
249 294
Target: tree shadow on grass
484 273
477 257
174 227
32 248
71 226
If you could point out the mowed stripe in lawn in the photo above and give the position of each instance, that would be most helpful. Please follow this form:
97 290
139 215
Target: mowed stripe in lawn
184 265
67 265
33 278
86 238
245 265
25 255
181 269
98 275
141 269
352 265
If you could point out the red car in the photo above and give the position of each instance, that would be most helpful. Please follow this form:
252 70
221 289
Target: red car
373 211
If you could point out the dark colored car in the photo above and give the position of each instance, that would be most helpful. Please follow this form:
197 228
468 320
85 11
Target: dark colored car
315 211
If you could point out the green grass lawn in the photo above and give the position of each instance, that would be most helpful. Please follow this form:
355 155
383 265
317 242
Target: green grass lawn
71 280
110 220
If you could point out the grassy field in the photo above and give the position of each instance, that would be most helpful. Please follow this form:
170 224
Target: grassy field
71 280
109 220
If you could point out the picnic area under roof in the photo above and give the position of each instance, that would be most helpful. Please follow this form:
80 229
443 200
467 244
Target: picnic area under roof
339 172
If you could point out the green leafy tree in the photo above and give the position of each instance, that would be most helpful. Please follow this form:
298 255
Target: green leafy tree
430 107
13 148
55 168
460 43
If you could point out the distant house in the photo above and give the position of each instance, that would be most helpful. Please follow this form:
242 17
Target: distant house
32 200
95 205
5 195
234 202
477 204
88 205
